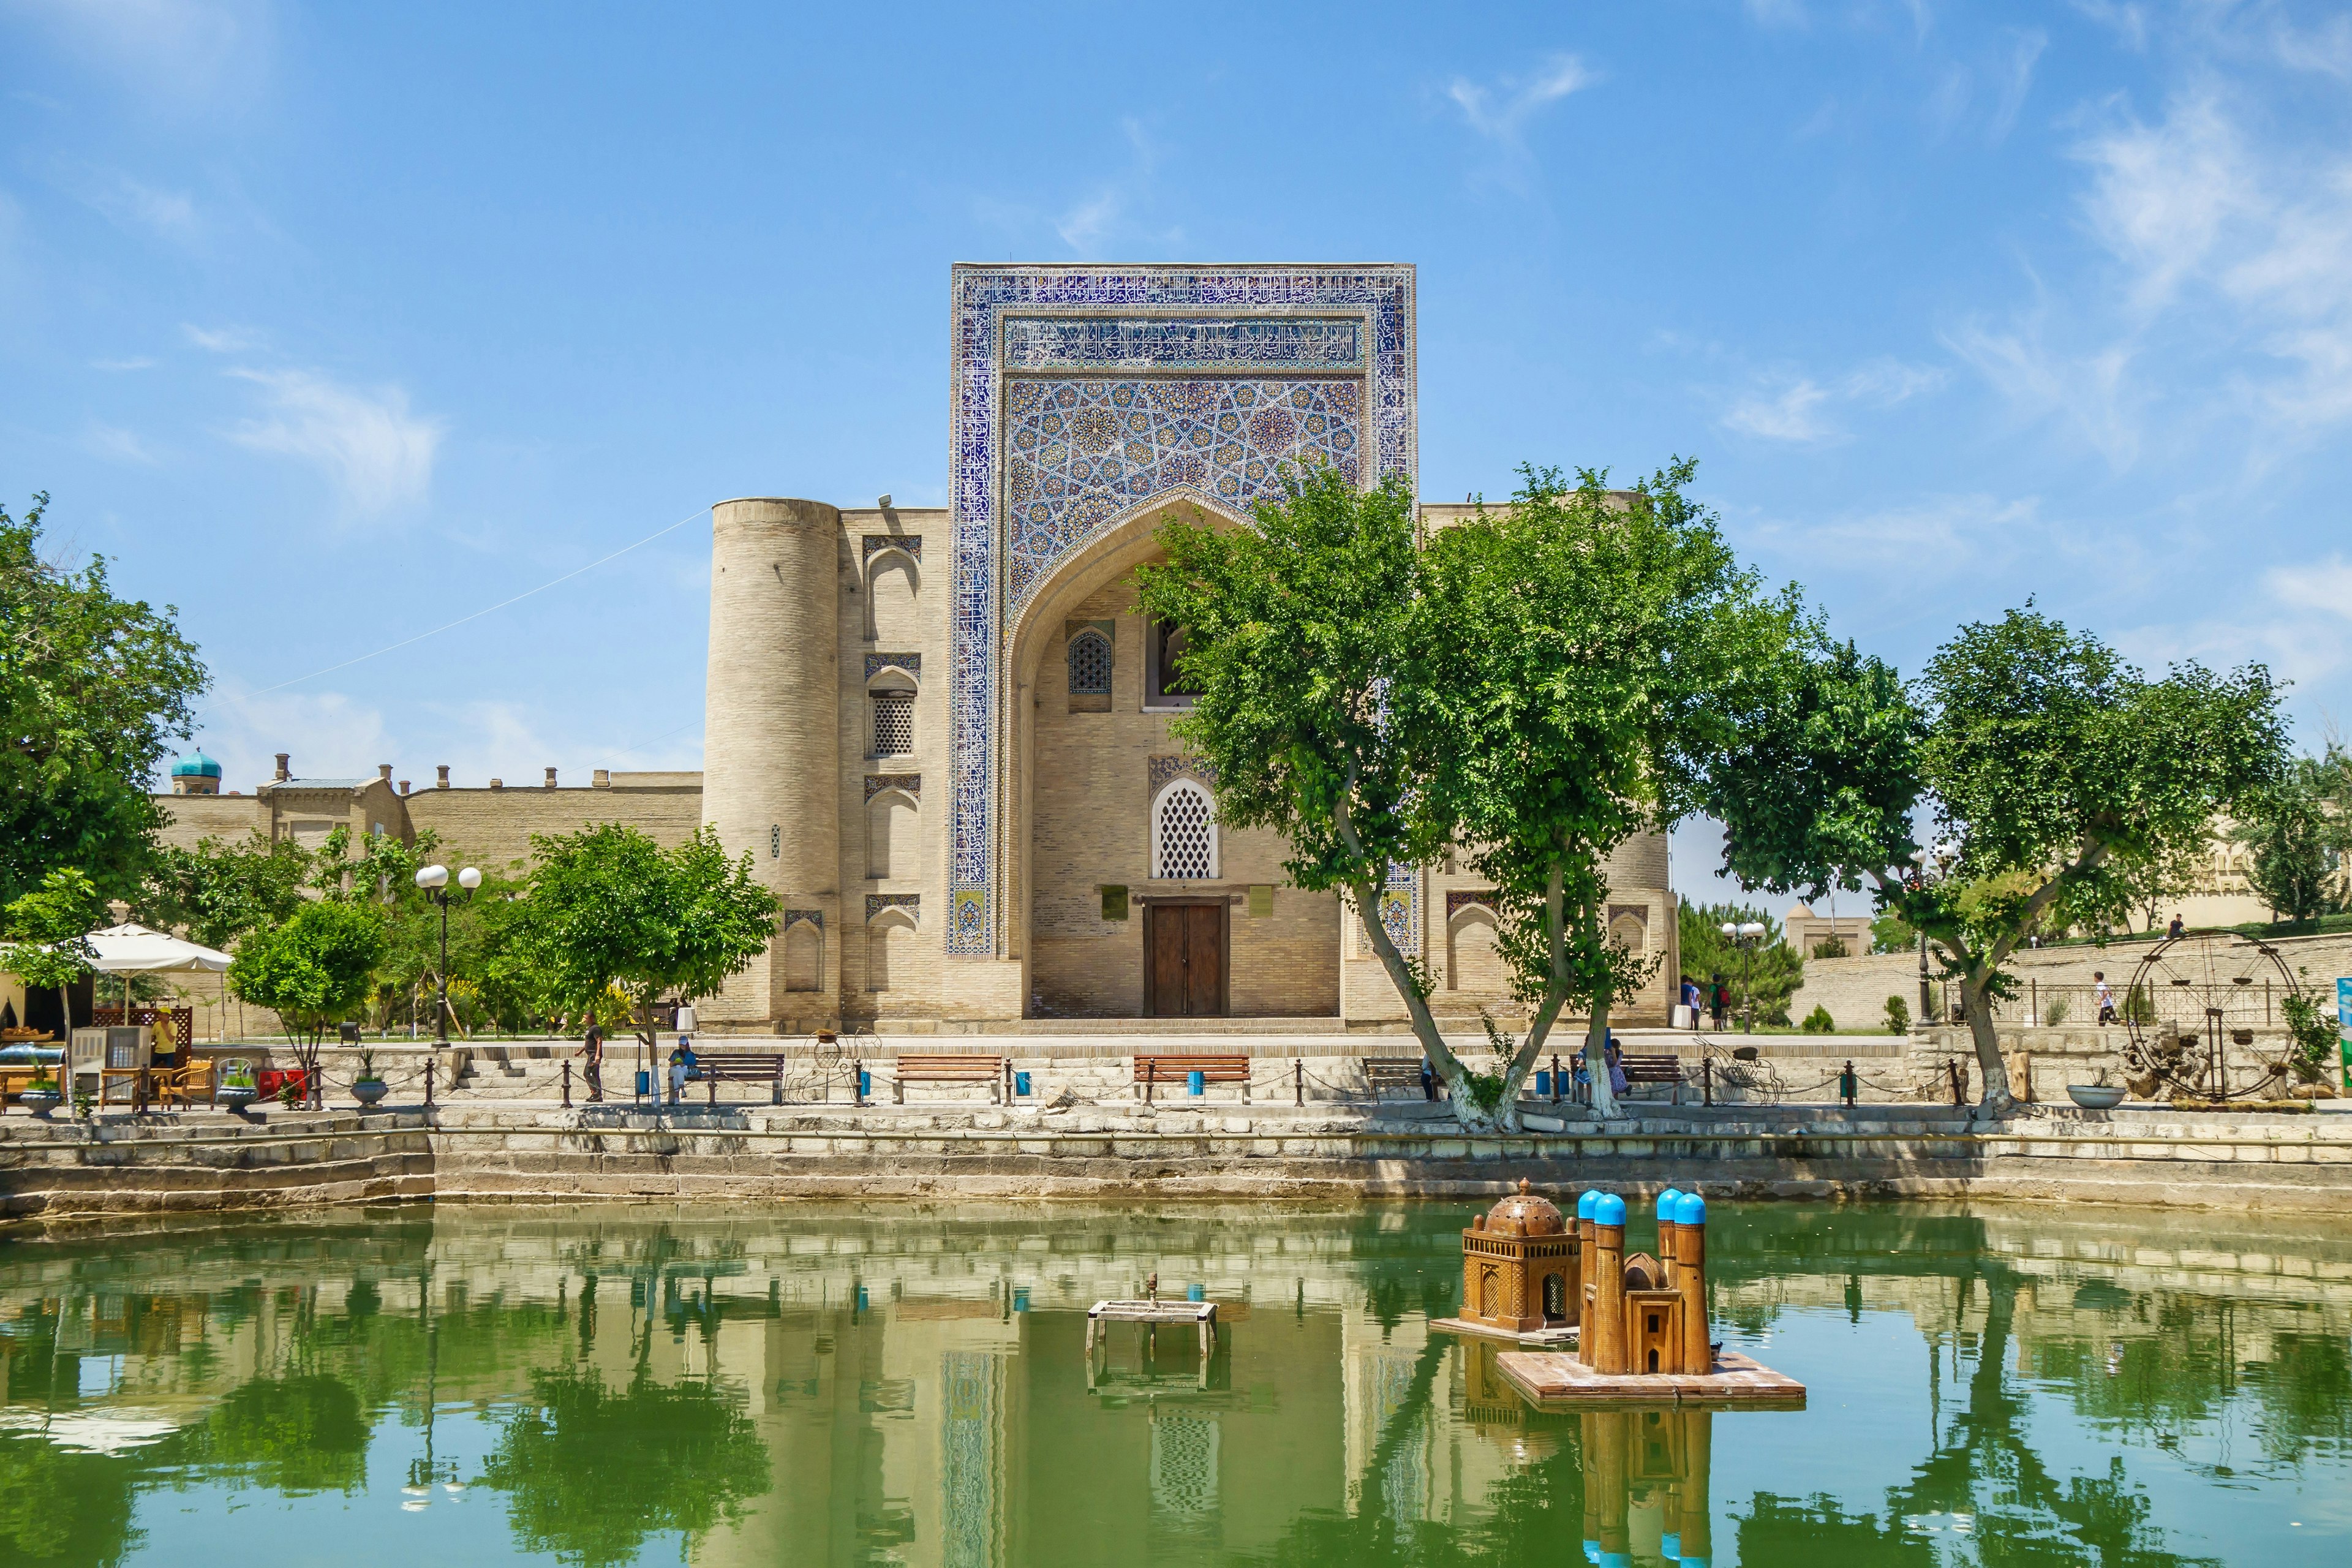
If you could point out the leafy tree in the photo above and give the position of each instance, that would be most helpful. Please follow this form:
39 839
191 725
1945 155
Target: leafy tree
1898 1015
218 891
2150 884
2052 766
48 935
1765 976
93 690
1531 688
607 908
2299 833
1586 654
1889 934
313 970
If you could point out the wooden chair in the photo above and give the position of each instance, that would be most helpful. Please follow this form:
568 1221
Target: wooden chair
1152 1071
185 1085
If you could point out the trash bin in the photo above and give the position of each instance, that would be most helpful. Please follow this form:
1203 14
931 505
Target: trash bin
644 1082
1196 1081
1543 1084
1020 1083
865 1084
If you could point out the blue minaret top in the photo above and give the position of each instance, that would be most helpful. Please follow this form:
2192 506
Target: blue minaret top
196 765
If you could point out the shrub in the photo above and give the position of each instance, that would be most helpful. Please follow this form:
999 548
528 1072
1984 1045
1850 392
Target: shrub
1829 947
1898 1015
2055 1011
1818 1021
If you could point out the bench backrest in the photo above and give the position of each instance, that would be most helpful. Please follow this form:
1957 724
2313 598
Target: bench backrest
988 1064
1176 1069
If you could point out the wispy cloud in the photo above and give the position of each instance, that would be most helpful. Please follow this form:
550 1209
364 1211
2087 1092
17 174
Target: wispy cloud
131 203
115 445
137 361
173 54
1948 529
1106 216
221 339
1785 13
2314 586
2013 79
377 453
1800 409
2161 195
2087 391
1501 111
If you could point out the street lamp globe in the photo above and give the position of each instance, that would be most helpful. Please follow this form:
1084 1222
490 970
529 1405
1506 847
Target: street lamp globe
470 879
433 877
1752 929
1730 929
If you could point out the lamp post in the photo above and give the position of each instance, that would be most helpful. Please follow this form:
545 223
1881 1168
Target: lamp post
1745 937
434 881
1919 860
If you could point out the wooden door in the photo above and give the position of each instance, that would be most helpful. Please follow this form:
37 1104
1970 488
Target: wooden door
1184 961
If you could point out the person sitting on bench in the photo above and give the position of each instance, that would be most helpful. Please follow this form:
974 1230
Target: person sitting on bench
681 1068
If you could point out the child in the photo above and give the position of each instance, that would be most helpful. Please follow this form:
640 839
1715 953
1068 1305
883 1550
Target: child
2106 997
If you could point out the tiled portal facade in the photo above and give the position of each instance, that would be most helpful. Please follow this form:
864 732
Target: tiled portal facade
943 736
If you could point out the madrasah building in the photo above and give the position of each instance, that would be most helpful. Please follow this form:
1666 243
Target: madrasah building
942 734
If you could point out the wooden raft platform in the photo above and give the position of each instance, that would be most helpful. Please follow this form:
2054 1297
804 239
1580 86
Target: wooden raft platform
1535 1339
1550 1378
1204 1314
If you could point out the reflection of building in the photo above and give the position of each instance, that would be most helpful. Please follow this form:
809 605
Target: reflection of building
1646 1480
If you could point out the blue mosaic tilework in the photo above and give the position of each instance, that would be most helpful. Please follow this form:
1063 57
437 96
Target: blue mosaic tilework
1183 343
875 663
1460 898
1401 907
1290 311
877 783
912 543
794 917
1082 451
1165 769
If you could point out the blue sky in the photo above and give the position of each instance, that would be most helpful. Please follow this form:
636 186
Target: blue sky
336 324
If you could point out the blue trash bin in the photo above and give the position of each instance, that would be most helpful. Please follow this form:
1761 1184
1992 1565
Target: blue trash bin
1543 1085
1021 1298
1020 1083
1196 1292
1196 1081
865 1084
645 1083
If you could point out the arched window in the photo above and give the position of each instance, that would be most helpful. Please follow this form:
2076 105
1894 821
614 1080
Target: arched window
1473 963
1165 685
894 720
891 819
1184 833
1555 1297
886 942
1090 664
803 957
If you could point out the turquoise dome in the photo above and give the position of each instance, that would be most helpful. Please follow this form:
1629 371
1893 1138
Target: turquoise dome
196 765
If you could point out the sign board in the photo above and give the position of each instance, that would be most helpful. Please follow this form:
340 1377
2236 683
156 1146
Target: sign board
2344 1029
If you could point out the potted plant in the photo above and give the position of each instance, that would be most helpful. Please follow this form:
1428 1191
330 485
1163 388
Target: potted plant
2099 1094
40 1096
369 1086
235 1086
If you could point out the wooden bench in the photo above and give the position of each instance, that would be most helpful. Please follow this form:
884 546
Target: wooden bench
1152 1071
960 1069
716 1068
1660 1069
1395 1072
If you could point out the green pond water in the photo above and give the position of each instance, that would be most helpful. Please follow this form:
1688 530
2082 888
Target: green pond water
897 1384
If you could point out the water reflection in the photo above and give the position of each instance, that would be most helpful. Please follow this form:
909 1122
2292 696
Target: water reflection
601 1386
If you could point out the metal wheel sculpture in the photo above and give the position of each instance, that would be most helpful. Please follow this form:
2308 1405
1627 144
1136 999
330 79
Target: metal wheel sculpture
2189 1000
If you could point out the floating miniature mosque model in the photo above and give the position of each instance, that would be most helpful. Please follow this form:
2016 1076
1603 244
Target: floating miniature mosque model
1639 1323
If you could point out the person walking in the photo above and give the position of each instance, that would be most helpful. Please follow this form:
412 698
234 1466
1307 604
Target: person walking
2104 997
1720 1002
592 1048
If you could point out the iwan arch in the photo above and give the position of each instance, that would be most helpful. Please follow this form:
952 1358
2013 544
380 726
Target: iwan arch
943 735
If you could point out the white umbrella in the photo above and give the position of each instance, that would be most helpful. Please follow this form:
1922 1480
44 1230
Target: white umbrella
132 949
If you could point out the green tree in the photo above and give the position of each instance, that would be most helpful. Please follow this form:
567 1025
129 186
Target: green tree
2299 833
1586 654
219 891
48 935
314 969
2052 766
607 907
1532 688
93 690
1765 976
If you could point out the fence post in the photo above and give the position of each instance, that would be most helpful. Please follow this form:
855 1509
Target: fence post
1555 1078
428 1080
1847 1084
1706 1080
1151 1073
567 1083
1952 1066
1298 1081
778 1095
857 1080
711 1081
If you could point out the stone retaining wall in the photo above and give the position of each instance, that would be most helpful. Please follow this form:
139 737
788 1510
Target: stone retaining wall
216 1162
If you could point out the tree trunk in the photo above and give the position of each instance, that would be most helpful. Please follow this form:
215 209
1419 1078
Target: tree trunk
1504 1117
1975 998
1596 1064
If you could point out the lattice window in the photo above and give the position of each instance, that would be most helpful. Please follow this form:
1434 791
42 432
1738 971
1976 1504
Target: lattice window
894 723
1090 665
1185 834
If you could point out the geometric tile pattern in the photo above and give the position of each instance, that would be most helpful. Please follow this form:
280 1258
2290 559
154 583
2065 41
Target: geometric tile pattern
912 784
1160 770
875 663
1460 898
1184 343
912 543
910 902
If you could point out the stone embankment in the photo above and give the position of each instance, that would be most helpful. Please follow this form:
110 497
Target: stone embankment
206 1161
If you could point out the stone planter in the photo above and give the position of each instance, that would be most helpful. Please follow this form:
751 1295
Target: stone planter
369 1091
2095 1095
235 1096
40 1101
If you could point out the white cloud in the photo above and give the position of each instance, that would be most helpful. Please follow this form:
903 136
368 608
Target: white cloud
2016 79
328 733
1791 14
221 339
2086 390
2314 586
132 204
2161 195
2127 22
115 444
1501 113
1948 529
1799 408
378 454
1104 219
167 53
135 362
